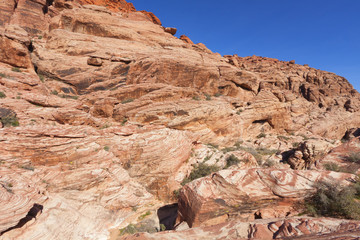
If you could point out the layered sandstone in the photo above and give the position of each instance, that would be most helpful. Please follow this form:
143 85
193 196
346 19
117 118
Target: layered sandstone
114 112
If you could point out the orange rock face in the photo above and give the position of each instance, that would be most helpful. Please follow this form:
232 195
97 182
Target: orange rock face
104 113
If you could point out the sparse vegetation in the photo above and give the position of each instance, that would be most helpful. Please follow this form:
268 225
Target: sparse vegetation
15 69
127 100
105 126
54 92
200 170
353 157
141 217
176 193
41 77
333 201
295 144
124 121
2 95
239 112
207 97
261 135
162 227
217 94
40 37
197 98
130 229
69 96
213 145
283 138
27 167
332 167
231 160
3 75
107 148
10 121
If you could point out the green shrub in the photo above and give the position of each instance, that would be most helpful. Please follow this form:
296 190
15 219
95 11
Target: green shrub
16 69
207 97
283 138
69 96
3 75
231 160
107 148
41 77
141 217
10 121
353 157
162 227
295 144
2 95
127 100
54 92
124 121
199 171
332 167
130 229
197 98
332 201
27 167
261 135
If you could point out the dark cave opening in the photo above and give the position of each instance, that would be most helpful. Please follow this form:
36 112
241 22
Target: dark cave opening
167 215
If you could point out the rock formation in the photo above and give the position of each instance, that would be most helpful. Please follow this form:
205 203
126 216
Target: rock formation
104 113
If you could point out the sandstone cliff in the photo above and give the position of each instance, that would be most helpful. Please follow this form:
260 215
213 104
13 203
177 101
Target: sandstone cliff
104 113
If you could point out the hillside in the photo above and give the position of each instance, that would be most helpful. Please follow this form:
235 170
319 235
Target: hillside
105 113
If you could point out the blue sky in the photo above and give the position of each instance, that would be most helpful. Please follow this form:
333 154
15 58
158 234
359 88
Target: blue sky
322 33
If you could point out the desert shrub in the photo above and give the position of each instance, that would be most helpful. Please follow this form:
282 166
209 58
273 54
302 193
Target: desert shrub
200 170
332 201
261 135
3 75
207 97
54 92
231 160
295 144
27 167
124 121
332 167
69 96
353 157
141 217
217 94
283 138
197 98
41 77
16 69
10 121
130 229
127 100
2 95
162 227
107 148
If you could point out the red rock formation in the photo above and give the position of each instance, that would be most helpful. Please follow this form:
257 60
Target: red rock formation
294 228
245 192
114 113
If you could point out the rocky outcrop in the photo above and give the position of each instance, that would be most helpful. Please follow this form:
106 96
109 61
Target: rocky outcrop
294 228
307 153
249 193
110 113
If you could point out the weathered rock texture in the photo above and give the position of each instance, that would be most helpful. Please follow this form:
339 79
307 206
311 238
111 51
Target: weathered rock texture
114 112
249 193
293 228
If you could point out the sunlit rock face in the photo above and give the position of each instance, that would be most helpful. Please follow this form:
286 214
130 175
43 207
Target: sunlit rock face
104 113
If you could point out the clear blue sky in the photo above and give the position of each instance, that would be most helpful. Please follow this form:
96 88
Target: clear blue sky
322 33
